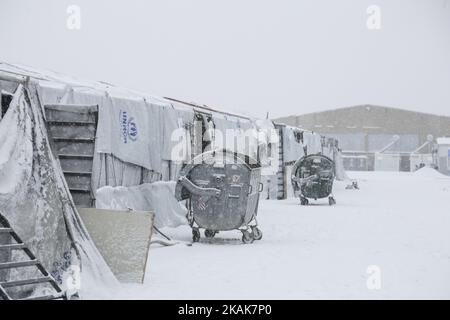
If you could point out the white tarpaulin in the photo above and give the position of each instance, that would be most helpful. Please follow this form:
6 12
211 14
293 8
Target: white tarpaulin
34 196
108 170
235 134
292 144
176 135
157 197
313 142
339 165
130 129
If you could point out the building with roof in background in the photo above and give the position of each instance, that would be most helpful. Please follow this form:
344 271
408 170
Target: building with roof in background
378 138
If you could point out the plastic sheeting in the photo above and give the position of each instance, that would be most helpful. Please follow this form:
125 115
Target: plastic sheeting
292 146
235 134
111 171
176 134
161 120
340 172
35 199
313 142
268 146
157 197
131 130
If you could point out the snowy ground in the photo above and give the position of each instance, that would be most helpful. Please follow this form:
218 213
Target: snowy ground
399 222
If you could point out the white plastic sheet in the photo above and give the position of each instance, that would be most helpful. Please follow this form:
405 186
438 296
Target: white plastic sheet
176 135
235 134
130 129
292 147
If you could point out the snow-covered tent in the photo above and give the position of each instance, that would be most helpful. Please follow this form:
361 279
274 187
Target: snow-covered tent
136 134
297 142
117 138
34 196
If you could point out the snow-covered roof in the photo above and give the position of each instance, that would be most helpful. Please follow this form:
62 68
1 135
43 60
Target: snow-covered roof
49 78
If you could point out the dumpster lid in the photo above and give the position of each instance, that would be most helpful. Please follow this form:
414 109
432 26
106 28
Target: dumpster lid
218 157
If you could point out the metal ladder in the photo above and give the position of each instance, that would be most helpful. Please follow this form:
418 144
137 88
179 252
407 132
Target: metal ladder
281 177
7 231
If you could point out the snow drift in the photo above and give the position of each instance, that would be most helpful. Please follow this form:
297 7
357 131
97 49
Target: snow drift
157 197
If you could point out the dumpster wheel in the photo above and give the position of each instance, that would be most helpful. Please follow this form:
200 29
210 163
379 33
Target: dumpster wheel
257 233
331 201
304 201
195 235
210 233
247 237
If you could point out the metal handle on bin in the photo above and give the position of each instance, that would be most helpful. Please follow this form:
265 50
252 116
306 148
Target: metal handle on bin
261 187
194 189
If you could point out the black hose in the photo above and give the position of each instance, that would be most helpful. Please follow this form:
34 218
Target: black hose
157 230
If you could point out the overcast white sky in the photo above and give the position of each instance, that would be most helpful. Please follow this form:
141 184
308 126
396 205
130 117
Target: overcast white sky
250 56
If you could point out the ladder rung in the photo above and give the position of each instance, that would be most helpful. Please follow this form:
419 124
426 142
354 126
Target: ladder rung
44 278
10 265
49 297
75 156
4 295
70 123
74 173
25 282
14 246
82 140
79 190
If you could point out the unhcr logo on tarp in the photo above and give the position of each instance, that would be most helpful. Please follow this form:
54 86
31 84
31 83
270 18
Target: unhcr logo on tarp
128 127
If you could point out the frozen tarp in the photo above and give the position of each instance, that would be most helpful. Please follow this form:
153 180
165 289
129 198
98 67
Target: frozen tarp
113 164
108 170
235 134
176 134
313 142
268 155
130 129
340 172
293 144
268 145
157 197
34 196
222 125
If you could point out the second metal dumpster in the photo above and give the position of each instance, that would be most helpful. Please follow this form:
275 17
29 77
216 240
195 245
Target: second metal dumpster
313 177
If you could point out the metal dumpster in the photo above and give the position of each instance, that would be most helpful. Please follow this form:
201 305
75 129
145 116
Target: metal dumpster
222 191
313 177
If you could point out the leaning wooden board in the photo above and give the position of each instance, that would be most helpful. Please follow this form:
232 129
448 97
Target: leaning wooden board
123 239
